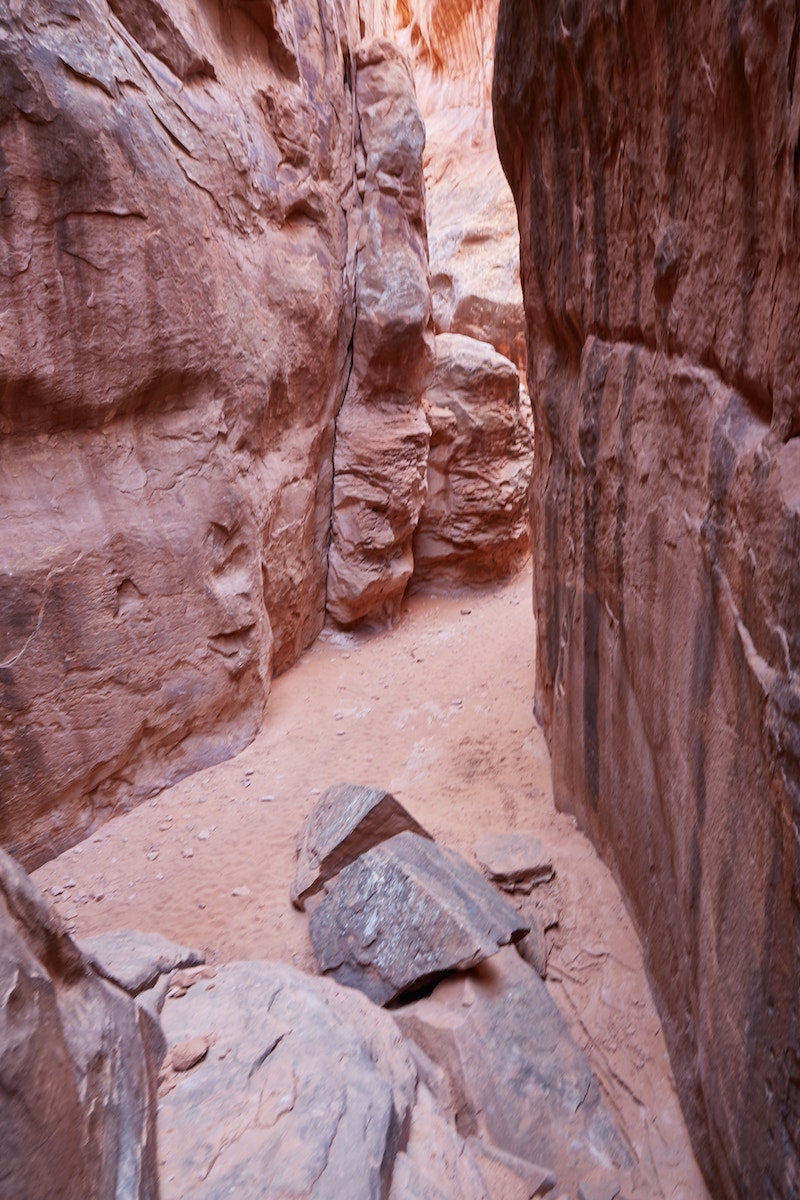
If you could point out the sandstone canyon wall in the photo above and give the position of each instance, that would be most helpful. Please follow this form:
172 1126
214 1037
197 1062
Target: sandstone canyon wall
217 332
653 152
177 313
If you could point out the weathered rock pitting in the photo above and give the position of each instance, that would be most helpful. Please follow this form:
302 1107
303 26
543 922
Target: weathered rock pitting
652 152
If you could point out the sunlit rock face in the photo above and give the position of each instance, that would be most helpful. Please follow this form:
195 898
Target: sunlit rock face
652 153
177 300
472 225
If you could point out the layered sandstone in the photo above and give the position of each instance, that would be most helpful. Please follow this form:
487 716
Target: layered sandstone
178 311
382 436
474 526
653 155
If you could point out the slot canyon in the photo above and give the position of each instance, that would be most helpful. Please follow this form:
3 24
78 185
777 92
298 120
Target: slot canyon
399 600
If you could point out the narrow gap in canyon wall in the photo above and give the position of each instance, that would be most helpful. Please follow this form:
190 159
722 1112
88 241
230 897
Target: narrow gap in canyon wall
267 656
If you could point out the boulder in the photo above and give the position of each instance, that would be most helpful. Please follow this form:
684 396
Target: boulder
474 524
382 434
78 1064
347 820
652 151
405 913
516 862
306 1089
518 1079
135 960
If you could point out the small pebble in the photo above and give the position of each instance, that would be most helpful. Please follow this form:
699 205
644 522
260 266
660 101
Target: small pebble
186 1055
245 783
315 791
201 799
249 771
241 891
55 890
203 835
152 854
340 732
187 852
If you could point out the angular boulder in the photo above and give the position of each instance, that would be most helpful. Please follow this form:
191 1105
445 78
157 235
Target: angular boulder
78 1067
514 861
306 1089
135 960
517 1078
474 525
347 821
405 913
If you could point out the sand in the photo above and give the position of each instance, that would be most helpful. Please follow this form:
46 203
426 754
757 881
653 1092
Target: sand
440 712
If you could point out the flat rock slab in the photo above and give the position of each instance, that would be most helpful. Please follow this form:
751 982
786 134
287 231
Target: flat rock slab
306 1090
517 1078
348 820
514 861
405 913
135 960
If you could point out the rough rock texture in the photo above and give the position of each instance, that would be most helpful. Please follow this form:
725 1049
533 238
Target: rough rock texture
135 960
474 525
405 913
347 821
382 435
517 1079
472 226
77 1065
653 153
514 861
177 309
307 1089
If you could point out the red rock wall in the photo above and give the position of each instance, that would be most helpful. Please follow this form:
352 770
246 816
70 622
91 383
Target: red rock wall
653 152
177 311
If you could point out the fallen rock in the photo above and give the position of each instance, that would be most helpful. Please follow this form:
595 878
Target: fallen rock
514 861
135 960
185 1055
307 1089
405 913
474 525
518 1079
347 821
78 1064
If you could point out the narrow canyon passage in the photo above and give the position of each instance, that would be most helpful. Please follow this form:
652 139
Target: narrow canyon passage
439 711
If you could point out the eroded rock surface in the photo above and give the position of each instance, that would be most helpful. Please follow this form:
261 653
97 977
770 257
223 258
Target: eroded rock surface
178 310
517 1079
652 152
382 436
406 912
474 525
347 821
306 1089
135 960
78 1064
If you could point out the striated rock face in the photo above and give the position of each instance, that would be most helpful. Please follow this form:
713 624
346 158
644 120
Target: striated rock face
174 346
653 155
474 525
382 435
78 1064
472 225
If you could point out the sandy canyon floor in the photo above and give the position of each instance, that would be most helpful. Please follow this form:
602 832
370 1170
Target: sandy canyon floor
440 712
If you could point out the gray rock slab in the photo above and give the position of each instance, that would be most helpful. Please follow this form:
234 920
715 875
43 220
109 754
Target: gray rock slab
405 913
514 861
518 1080
78 1064
307 1089
348 820
134 960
